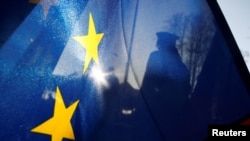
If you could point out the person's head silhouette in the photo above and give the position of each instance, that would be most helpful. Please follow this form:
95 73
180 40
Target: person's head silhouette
166 40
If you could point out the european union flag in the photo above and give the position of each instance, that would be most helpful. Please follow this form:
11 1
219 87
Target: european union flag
127 70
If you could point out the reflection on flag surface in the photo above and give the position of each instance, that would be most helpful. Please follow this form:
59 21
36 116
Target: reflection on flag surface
114 70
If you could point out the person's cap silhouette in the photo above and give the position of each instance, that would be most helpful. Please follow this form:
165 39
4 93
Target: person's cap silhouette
166 40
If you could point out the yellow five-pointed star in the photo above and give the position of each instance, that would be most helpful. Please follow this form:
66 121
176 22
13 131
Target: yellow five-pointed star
46 4
59 126
90 42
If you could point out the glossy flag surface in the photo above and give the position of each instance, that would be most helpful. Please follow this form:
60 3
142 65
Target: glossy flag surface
108 70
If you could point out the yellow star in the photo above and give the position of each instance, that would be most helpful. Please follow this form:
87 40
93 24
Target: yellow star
90 42
46 4
59 126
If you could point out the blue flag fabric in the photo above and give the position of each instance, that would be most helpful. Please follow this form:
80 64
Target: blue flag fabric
96 70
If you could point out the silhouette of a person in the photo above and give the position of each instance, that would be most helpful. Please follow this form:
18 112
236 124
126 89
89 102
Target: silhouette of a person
118 111
165 86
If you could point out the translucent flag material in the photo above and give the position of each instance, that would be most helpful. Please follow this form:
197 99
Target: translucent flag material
127 70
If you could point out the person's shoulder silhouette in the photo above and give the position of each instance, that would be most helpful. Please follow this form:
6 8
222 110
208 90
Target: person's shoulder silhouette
165 64
165 86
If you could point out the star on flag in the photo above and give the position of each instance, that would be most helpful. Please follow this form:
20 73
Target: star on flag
90 43
46 4
58 126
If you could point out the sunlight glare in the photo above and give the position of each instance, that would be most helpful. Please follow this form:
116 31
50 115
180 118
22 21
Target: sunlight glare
99 76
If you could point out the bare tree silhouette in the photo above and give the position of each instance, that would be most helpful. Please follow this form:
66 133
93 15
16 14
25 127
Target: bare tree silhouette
196 33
